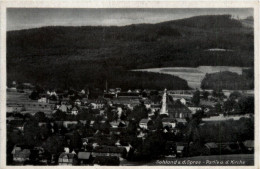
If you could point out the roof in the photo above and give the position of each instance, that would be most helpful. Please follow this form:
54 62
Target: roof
67 155
101 101
168 120
135 101
123 94
180 148
249 143
84 155
84 99
74 109
211 145
179 120
65 99
25 153
144 121
114 123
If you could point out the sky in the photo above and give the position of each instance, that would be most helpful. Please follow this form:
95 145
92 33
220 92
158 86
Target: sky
26 18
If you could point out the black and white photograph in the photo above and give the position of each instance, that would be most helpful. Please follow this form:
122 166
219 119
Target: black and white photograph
130 87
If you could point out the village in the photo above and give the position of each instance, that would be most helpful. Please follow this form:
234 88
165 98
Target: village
122 127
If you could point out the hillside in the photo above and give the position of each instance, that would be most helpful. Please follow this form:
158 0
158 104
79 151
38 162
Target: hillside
45 55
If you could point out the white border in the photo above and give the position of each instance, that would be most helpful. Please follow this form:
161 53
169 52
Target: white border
124 4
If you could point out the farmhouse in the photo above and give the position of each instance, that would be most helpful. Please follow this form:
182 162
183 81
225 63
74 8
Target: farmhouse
194 109
144 123
66 158
109 151
21 154
170 122
74 111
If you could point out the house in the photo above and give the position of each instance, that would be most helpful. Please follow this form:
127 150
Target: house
63 108
170 122
84 100
177 112
133 103
118 90
194 109
74 111
82 92
143 123
84 157
141 135
212 148
52 93
181 149
21 154
208 103
128 95
77 102
155 107
183 101
43 99
67 159
181 121
112 91
65 101
99 103
109 151
147 103
68 124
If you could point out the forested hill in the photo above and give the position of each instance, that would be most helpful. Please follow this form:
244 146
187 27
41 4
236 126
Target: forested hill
92 49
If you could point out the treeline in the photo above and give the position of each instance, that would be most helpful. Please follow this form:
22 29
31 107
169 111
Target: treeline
228 80
92 75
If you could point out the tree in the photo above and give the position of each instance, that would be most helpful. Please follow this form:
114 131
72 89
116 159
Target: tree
246 105
40 116
31 132
193 130
158 123
139 112
218 107
59 115
105 127
196 98
132 127
150 125
76 142
218 93
229 105
54 144
205 95
109 113
34 95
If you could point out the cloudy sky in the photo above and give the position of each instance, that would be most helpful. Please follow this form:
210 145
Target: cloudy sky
25 18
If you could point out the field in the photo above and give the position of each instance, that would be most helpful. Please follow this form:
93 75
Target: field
228 160
16 97
194 76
